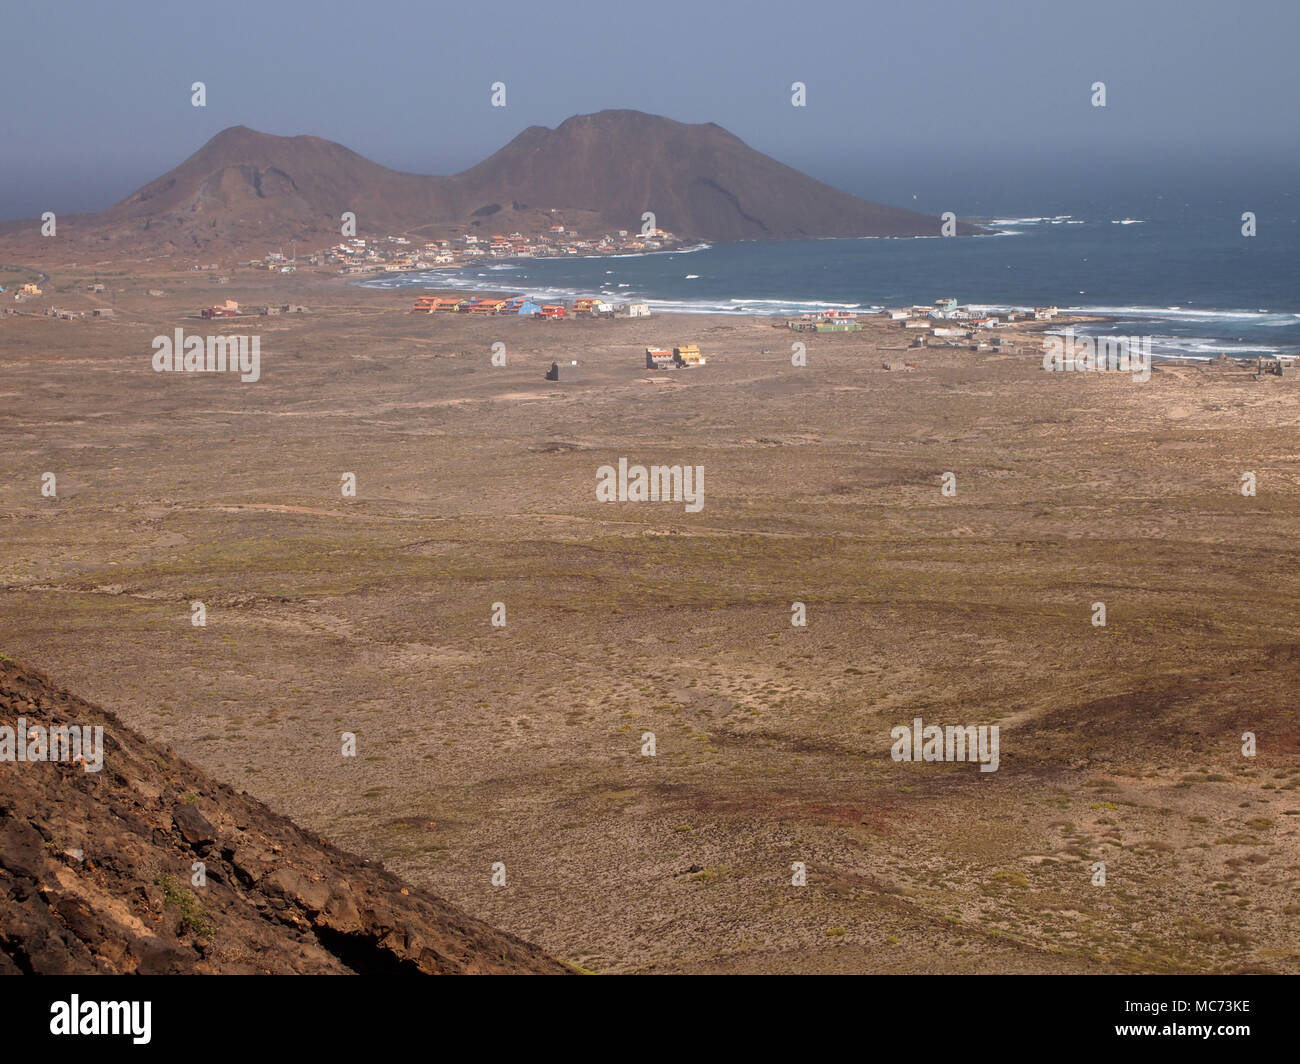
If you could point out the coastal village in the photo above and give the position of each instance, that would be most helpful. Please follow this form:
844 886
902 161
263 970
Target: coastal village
524 306
944 323
400 254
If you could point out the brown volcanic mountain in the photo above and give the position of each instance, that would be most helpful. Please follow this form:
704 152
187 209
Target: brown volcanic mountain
95 873
699 180
244 185
600 172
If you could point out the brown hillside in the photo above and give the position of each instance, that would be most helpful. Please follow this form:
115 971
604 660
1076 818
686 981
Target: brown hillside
95 874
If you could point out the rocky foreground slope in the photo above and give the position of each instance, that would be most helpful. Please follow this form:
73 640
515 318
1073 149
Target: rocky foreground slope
96 873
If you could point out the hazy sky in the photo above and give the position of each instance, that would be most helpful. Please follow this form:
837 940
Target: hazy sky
921 95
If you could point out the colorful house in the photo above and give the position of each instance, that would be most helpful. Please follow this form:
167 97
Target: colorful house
592 305
483 306
521 305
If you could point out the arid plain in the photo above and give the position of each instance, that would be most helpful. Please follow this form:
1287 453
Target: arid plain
522 744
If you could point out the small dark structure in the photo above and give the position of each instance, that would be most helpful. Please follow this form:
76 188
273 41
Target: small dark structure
553 374
1284 366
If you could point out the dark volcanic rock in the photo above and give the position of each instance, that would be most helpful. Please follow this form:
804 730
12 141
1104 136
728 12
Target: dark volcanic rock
193 826
95 874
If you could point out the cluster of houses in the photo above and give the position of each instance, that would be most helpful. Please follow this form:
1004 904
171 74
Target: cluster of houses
917 317
825 321
945 320
523 306
394 254
1283 366
954 324
686 356
949 310
277 262
231 309
100 313
397 254
520 305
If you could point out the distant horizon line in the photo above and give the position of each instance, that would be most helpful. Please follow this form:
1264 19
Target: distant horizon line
983 166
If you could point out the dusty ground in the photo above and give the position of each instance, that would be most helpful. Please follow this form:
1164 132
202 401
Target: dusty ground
476 485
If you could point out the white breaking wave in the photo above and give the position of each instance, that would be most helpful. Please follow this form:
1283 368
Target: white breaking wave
1053 219
624 254
760 305
801 304
1253 317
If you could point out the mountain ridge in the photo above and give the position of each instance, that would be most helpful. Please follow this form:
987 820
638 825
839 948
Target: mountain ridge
599 172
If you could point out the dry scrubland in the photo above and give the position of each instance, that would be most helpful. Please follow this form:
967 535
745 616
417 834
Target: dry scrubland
476 485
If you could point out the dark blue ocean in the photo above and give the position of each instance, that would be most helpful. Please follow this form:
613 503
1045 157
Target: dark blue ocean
1175 268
